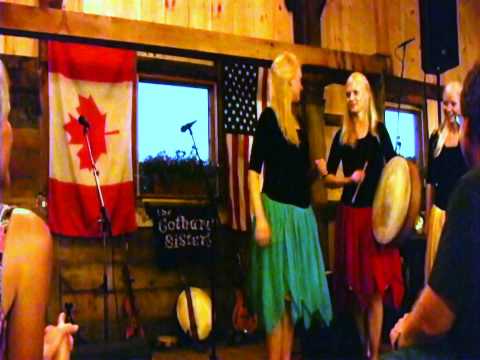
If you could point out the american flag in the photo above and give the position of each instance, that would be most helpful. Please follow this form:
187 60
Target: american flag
245 96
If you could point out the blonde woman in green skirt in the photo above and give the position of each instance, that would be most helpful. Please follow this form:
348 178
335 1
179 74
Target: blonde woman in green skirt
287 274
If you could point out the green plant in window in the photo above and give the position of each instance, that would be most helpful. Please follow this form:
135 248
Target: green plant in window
173 175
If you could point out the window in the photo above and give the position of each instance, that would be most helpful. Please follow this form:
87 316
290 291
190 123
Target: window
166 157
405 132
162 110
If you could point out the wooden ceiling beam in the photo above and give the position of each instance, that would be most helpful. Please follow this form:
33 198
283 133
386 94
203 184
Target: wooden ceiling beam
36 22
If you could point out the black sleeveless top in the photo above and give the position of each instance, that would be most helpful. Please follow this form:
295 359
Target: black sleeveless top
444 171
287 177
377 151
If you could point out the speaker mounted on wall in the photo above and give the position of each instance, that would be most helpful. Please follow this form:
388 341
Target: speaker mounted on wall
439 34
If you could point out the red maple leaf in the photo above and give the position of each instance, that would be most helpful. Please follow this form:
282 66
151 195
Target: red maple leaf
89 109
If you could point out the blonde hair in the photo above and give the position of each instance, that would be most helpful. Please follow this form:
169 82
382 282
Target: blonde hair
4 92
443 130
284 69
348 135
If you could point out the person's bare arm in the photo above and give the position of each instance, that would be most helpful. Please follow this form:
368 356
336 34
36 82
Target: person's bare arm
7 138
337 181
429 197
430 318
262 228
28 266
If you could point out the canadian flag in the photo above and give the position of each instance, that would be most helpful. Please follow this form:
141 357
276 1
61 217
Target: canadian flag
96 83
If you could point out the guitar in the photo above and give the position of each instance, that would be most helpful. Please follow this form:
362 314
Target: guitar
134 327
243 321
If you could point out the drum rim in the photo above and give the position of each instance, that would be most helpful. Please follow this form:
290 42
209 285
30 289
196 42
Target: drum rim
413 209
202 305
380 234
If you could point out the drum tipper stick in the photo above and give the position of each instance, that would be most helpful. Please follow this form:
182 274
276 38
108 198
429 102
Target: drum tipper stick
354 197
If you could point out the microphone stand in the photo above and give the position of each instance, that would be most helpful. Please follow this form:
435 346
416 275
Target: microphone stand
106 231
403 46
213 209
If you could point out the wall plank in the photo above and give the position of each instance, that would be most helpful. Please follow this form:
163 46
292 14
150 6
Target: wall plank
349 25
13 45
469 45
282 22
222 14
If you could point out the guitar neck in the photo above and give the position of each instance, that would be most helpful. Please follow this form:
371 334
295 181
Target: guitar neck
130 307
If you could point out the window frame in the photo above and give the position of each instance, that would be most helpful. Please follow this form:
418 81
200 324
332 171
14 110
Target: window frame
213 137
419 117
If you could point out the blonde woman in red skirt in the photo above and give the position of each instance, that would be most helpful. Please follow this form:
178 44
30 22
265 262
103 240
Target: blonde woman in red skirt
365 273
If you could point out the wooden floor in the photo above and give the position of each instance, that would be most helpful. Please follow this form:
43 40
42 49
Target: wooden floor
242 352
251 351
338 342
142 351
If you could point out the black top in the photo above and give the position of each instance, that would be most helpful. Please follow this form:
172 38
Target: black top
456 272
376 150
444 170
286 166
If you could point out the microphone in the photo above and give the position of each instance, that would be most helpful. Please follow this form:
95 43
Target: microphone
405 43
187 126
84 122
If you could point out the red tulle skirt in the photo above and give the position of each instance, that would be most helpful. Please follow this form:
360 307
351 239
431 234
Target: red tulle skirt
363 266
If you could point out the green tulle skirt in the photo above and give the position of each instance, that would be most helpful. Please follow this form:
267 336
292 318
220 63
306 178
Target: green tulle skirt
291 267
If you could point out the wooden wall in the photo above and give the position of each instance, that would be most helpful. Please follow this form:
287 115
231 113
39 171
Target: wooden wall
267 19
368 27
19 46
378 26
361 26
25 116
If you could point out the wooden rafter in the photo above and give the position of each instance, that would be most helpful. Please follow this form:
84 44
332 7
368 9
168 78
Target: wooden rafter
21 20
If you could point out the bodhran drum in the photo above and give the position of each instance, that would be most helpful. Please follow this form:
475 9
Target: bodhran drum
202 310
397 201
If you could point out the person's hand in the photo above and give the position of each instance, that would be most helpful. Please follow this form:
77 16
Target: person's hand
322 167
358 176
58 340
397 331
262 232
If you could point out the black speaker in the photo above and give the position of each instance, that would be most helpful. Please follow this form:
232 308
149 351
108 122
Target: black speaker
439 33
